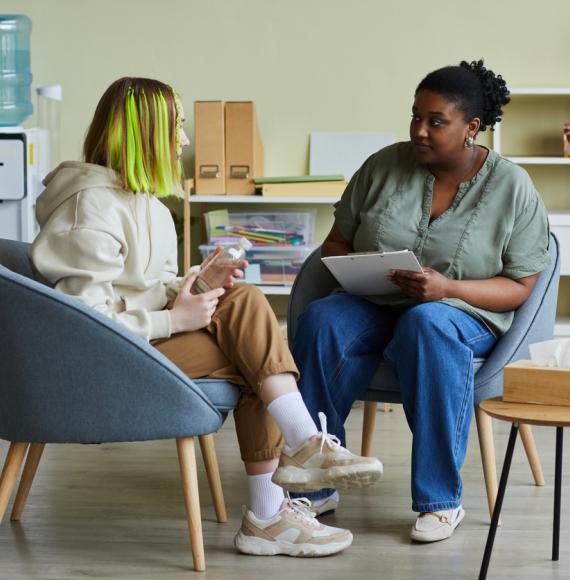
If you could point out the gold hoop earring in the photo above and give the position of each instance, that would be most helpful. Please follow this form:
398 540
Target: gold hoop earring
469 142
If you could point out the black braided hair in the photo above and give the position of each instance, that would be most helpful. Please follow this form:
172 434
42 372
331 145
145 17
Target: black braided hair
472 88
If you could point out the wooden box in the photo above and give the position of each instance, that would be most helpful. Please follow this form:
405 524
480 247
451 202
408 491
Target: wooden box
526 382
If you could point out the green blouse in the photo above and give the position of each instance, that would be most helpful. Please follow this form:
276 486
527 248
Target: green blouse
496 225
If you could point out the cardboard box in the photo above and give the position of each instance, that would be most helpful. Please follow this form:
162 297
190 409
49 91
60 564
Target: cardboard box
526 382
244 150
209 145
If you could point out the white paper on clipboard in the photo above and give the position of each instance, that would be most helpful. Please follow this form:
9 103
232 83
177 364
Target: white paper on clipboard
367 274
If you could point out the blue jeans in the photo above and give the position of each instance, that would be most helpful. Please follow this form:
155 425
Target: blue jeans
338 347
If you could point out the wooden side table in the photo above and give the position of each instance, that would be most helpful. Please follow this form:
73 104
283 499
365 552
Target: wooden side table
547 415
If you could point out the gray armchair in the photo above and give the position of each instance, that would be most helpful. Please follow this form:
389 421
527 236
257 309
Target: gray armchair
533 322
71 375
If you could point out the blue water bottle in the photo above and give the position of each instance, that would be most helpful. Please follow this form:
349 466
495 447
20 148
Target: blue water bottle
15 73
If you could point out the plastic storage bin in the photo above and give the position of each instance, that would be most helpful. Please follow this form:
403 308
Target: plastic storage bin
263 229
278 265
15 73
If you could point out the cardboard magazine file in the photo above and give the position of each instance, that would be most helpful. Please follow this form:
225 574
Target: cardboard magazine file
209 144
244 150
526 382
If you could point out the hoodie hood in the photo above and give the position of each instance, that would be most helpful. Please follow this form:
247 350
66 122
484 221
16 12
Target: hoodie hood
67 180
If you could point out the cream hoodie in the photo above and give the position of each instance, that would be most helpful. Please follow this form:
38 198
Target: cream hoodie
112 249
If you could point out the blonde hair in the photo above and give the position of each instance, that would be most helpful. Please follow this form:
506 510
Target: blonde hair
136 132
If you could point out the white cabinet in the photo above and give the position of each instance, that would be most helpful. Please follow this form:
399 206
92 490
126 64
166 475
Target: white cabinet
534 158
559 220
560 226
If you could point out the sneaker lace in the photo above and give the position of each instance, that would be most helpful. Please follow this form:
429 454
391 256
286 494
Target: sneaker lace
301 507
331 440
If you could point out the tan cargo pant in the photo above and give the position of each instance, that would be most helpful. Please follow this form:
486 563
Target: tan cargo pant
243 344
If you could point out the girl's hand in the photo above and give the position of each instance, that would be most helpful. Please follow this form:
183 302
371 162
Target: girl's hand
193 311
425 286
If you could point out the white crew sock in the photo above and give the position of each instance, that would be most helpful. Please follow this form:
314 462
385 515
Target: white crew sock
265 498
292 417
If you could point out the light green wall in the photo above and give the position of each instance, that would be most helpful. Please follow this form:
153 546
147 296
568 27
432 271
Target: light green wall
310 65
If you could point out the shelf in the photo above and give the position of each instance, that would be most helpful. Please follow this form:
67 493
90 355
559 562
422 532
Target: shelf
260 199
540 160
278 290
530 159
225 200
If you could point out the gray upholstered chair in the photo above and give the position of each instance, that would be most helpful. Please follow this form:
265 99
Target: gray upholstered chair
533 322
71 375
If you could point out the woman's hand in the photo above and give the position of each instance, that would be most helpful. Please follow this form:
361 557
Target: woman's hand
426 286
231 270
193 311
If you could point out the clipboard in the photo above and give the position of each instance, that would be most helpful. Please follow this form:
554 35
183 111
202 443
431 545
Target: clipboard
366 274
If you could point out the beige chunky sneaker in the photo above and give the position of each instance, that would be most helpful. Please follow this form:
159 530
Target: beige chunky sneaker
294 531
436 526
322 462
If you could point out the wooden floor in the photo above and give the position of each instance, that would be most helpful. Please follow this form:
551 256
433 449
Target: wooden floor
116 511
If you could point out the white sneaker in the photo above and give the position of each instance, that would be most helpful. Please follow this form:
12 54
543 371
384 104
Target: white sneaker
435 526
294 531
322 462
325 506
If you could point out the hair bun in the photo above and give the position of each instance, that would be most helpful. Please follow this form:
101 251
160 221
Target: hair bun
495 91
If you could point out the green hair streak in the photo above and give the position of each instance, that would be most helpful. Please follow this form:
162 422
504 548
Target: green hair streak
130 147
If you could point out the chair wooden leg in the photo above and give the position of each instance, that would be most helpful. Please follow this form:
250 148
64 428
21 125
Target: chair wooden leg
189 476
531 453
14 460
32 461
212 471
368 425
487 446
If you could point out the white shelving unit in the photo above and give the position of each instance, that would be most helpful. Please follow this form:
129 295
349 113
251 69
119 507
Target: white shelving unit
277 290
532 160
559 221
